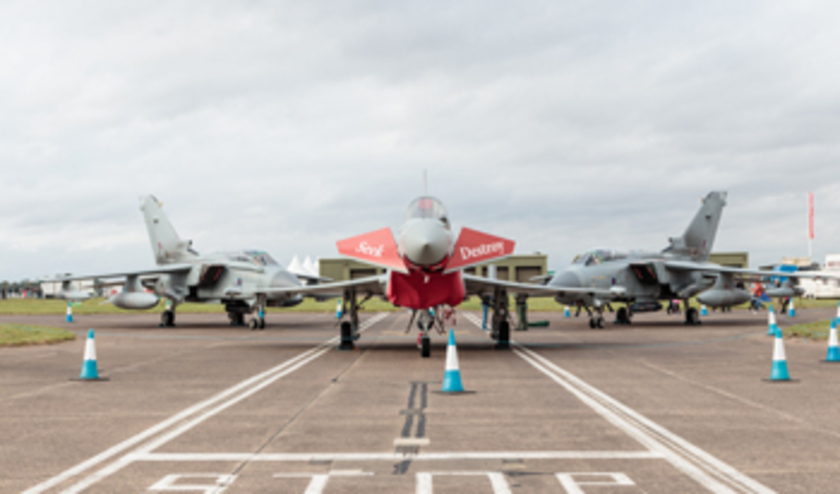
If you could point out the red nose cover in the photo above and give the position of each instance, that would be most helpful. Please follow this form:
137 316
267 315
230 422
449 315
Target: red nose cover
419 290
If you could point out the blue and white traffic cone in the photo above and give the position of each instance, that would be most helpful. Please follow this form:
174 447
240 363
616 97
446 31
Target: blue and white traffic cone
484 310
89 370
772 327
703 310
833 354
791 309
338 312
838 310
69 317
780 368
452 376
566 311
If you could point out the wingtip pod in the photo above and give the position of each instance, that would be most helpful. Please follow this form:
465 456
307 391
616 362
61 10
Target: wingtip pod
377 248
475 247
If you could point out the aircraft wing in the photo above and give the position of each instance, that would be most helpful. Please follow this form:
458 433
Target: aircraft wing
372 285
478 285
716 268
167 269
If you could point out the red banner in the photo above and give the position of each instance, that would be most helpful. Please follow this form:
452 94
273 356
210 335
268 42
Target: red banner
377 248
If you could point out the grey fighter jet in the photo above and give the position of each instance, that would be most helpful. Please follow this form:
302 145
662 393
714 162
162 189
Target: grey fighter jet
236 279
643 279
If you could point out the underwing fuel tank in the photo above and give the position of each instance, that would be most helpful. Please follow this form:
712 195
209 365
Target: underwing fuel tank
134 300
721 297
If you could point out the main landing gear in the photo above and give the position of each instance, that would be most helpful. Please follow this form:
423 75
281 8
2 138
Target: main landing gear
350 329
692 317
500 321
167 317
622 316
258 315
236 318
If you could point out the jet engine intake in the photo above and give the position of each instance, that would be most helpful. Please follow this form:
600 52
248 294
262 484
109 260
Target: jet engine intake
134 300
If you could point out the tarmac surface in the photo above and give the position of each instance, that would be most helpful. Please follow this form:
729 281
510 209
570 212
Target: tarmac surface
652 407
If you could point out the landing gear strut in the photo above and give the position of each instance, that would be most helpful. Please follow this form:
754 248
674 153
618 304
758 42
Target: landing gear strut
350 329
596 320
500 330
692 318
258 315
167 317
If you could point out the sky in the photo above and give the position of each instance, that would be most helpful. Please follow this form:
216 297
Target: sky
285 126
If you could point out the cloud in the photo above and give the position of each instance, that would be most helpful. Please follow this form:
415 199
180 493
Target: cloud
286 126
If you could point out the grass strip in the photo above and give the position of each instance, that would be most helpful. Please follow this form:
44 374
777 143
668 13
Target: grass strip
26 334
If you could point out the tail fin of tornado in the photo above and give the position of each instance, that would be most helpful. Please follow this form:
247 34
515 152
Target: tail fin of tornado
167 246
699 237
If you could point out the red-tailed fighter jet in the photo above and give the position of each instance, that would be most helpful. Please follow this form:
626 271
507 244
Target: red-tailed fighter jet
425 272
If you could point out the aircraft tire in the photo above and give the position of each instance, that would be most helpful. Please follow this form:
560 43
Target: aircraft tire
622 316
591 323
425 347
254 324
600 322
262 323
503 342
167 319
692 318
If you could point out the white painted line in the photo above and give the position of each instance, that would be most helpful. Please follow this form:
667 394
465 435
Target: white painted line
498 482
701 466
187 413
411 441
390 456
694 462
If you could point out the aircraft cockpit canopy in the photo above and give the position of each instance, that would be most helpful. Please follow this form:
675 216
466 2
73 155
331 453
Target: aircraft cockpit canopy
256 257
428 207
597 256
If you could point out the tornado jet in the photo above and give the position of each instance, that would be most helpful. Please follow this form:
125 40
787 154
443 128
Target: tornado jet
643 279
237 280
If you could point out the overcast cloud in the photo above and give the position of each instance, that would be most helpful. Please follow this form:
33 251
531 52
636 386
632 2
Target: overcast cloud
285 126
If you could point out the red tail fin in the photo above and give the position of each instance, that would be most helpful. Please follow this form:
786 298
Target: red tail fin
475 247
376 248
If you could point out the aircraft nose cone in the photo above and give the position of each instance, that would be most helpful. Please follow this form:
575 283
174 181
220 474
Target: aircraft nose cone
425 242
567 279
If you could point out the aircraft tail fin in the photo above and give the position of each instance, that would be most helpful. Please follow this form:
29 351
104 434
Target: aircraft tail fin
699 237
167 246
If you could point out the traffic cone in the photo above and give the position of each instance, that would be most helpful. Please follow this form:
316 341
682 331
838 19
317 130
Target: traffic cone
567 313
780 368
69 317
452 375
791 309
703 310
772 327
89 370
338 309
838 310
833 354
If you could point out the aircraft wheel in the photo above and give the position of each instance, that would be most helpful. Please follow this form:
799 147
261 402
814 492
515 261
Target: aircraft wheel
600 322
426 347
591 323
503 342
167 319
262 323
622 317
692 318
254 324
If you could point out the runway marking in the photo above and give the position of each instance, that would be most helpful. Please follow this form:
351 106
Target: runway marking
393 456
701 466
497 481
233 395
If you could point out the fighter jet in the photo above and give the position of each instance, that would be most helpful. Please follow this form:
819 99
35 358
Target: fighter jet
643 279
236 279
425 273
